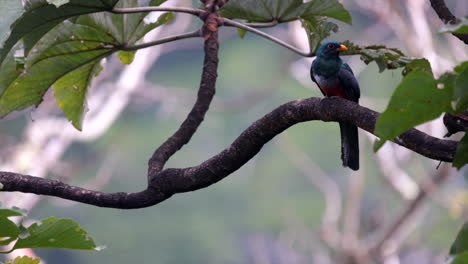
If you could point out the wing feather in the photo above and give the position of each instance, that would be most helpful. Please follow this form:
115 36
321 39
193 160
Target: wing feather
349 83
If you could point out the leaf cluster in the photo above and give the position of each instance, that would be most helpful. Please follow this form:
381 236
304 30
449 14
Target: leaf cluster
63 50
420 97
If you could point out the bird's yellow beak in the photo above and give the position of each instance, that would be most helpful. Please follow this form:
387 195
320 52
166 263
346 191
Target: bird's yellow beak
342 48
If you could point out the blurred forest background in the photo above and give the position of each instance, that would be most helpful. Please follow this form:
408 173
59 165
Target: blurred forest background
292 203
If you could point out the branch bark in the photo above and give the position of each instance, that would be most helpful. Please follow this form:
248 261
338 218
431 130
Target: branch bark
447 17
205 95
178 180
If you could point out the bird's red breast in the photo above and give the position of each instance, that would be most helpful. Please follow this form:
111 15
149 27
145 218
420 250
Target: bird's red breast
333 91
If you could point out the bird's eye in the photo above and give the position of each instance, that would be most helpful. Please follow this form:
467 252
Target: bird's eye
330 46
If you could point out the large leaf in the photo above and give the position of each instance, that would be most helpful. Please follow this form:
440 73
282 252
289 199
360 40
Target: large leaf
460 91
283 10
461 159
417 99
67 56
56 233
40 17
67 48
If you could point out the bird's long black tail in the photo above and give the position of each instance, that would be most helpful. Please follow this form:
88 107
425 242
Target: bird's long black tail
349 145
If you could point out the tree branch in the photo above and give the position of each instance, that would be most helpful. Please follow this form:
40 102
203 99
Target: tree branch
205 95
447 17
233 23
192 11
171 181
262 24
193 34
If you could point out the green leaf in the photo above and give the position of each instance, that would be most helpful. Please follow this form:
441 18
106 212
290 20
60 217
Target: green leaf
70 92
8 229
421 65
24 260
327 8
252 10
143 27
283 10
461 157
40 17
126 57
10 212
317 30
417 99
241 32
460 91
459 28
56 233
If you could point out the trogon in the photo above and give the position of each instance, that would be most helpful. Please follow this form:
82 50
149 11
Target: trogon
335 78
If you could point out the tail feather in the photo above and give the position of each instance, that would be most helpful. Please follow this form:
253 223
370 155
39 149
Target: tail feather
349 145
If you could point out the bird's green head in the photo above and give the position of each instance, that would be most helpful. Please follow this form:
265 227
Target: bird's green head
330 49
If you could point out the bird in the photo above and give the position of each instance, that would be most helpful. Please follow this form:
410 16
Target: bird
335 78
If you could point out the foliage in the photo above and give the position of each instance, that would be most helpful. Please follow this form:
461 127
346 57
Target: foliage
419 98
40 16
386 58
68 57
51 232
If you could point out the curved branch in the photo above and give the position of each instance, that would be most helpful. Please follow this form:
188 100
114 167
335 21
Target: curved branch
447 17
233 23
193 34
170 181
205 95
192 11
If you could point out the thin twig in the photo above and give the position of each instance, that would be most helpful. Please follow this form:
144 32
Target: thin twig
233 23
262 25
192 11
194 34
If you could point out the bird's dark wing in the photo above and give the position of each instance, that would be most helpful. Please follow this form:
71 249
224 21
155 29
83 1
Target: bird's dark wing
313 78
349 83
